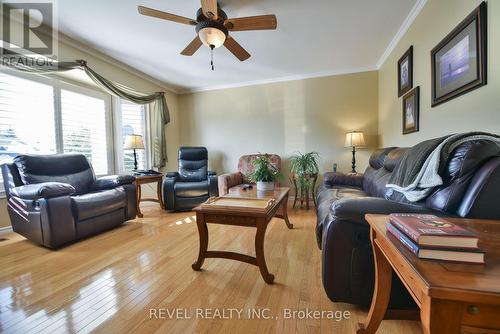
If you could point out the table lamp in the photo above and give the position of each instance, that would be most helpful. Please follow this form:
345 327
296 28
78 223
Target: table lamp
354 139
134 142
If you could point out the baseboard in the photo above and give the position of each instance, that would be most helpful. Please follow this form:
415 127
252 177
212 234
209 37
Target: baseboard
6 229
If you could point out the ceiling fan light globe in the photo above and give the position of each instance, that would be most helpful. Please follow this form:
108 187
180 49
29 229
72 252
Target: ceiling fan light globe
212 36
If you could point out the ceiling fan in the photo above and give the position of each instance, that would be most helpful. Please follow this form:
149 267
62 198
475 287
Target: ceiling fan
213 26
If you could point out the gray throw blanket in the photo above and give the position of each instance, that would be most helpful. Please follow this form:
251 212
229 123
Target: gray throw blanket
418 172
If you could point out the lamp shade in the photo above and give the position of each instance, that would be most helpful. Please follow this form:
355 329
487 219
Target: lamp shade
133 142
354 139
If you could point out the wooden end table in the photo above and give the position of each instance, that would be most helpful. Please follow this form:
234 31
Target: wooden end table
143 179
452 297
248 208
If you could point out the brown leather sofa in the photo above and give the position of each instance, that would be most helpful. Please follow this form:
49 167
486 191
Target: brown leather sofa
245 169
56 199
471 189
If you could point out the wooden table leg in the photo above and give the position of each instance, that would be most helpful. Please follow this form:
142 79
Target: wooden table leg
138 199
296 191
203 234
158 193
259 251
381 294
283 213
441 316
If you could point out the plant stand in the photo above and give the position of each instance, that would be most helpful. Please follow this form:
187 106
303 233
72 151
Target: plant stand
304 192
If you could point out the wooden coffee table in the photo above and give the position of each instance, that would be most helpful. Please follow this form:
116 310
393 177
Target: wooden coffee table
452 297
240 207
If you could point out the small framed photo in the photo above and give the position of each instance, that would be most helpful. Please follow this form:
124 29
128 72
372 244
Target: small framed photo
458 62
405 72
411 111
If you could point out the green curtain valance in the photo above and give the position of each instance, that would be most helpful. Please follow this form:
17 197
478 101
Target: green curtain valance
158 109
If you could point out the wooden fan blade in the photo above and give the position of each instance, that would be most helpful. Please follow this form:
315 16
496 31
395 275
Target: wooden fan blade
236 49
165 16
261 22
209 6
192 47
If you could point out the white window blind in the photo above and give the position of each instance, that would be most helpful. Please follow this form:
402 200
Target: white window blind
26 117
83 121
133 117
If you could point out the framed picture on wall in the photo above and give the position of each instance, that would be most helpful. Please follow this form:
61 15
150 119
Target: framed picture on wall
458 62
411 111
405 72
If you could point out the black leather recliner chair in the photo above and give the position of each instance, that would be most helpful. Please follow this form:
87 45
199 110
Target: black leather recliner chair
471 188
193 184
56 199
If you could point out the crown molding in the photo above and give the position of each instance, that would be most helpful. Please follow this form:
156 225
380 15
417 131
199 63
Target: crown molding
281 79
412 15
112 61
417 8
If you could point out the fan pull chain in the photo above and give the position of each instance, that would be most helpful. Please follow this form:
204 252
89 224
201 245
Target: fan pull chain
212 56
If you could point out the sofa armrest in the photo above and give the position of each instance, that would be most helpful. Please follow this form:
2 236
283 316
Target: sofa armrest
169 190
355 209
172 175
229 180
42 190
112 181
213 190
342 179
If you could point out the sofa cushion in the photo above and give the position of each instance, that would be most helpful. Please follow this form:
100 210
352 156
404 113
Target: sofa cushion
193 164
457 173
393 158
191 189
73 169
374 181
98 203
377 158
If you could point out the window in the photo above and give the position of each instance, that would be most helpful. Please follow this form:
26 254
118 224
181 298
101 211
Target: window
132 118
83 120
43 116
26 117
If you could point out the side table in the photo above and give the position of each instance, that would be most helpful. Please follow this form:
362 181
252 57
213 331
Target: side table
452 297
143 179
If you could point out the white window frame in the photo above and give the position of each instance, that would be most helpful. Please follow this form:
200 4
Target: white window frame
118 143
57 84
108 116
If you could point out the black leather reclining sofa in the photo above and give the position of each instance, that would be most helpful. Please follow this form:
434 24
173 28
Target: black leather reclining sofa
471 189
56 199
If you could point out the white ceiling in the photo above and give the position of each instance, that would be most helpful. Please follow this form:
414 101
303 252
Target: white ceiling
314 37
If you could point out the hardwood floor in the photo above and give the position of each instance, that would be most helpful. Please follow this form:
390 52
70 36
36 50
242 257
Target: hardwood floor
109 283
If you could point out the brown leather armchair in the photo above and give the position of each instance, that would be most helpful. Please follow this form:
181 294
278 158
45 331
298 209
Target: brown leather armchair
245 169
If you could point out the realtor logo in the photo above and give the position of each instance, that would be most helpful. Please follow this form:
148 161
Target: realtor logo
28 28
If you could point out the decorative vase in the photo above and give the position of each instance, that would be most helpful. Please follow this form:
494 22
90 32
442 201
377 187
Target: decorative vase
265 186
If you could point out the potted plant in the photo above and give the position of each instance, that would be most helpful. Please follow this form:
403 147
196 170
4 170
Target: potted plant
304 168
265 173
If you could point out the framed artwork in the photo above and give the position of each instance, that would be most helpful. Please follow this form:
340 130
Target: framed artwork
405 72
411 111
458 62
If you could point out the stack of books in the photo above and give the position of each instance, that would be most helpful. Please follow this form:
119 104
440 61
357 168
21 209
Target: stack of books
432 237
